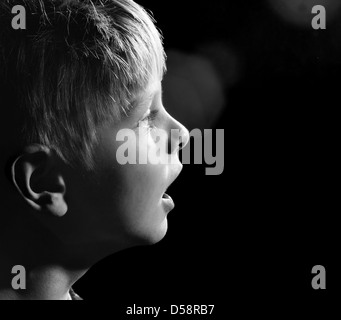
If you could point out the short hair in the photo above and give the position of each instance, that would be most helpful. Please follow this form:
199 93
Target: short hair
76 65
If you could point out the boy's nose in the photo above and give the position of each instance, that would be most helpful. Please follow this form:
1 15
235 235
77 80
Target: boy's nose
179 136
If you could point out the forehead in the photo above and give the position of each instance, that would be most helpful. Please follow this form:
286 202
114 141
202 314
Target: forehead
157 71
152 88
145 94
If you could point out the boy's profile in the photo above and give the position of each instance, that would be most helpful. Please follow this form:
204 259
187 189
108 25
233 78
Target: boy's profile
80 72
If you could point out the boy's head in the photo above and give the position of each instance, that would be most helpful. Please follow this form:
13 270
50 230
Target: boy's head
78 74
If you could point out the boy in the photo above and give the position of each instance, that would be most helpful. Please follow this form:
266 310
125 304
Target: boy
79 73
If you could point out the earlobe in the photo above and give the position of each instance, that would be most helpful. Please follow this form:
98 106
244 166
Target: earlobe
38 179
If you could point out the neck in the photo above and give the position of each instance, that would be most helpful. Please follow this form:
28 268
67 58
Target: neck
45 283
47 273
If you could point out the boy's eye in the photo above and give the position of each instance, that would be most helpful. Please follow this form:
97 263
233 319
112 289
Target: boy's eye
148 120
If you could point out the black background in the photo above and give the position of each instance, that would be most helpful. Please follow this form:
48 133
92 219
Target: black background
255 232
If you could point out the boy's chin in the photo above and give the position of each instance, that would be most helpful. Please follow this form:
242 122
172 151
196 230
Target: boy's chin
151 236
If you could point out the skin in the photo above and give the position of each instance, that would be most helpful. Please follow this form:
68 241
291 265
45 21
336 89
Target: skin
70 220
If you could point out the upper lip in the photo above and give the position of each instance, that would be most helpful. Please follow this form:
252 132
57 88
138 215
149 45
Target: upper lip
174 175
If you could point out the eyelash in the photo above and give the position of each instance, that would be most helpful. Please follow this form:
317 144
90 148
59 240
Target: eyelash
150 118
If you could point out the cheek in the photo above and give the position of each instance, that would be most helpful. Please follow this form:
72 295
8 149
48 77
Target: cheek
120 202
144 179
144 184
137 211
130 190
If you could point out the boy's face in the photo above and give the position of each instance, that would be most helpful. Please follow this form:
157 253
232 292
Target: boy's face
124 205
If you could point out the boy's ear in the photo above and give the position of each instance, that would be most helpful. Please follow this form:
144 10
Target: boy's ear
37 177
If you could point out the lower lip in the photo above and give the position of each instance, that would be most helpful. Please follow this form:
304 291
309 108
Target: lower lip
168 203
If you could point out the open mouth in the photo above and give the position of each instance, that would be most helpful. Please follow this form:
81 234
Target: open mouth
167 202
166 196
